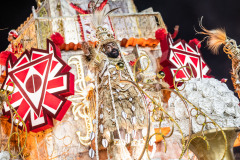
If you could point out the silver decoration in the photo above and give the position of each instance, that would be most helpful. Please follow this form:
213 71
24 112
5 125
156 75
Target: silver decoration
127 138
101 116
94 121
101 128
124 115
92 136
133 119
4 155
133 108
121 85
133 133
108 109
104 143
130 99
91 153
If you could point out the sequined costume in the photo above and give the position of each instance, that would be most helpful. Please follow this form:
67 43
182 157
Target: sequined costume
121 113
122 97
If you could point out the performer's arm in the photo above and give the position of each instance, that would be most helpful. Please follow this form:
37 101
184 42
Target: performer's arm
102 5
90 55
176 29
78 9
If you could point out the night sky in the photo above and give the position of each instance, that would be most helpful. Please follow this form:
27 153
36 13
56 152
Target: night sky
185 13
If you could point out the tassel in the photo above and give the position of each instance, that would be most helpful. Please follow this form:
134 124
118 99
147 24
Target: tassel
119 151
136 149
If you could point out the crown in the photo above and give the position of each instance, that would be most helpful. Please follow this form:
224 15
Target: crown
104 35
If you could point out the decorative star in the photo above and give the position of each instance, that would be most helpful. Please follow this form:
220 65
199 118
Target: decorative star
42 81
178 54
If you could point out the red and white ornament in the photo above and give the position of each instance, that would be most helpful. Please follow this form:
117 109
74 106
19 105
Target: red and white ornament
42 81
178 54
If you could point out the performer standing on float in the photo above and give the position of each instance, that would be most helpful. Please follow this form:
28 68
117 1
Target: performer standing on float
91 7
14 47
121 113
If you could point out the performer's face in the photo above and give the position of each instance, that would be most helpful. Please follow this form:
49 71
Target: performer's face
111 50
10 38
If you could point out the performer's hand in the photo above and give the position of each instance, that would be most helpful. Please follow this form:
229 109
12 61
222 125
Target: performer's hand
85 48
176 28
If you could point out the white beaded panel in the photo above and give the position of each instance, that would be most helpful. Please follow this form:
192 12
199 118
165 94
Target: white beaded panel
71 30
54 12
125 27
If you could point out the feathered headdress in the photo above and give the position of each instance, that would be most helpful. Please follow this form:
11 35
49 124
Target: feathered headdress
102 33
215 37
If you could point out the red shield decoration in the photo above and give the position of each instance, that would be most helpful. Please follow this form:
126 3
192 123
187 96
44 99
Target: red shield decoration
42 81
178 54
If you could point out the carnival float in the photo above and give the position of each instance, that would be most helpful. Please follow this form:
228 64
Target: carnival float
86 79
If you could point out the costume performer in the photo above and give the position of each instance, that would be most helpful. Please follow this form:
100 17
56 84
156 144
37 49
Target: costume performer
91 7
120 109
14 49
14 46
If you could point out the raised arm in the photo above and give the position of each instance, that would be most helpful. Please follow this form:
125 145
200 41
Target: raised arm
175 33
102 5
78 9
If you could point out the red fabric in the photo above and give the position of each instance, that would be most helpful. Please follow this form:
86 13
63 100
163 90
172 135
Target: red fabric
81 11
174 35
195 42
132 63
17 48
57 38
102 5
161 34
78 9
206 76
3 57
224 80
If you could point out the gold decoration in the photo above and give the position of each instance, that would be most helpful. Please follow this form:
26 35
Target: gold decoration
198 113
164 115
81 108
161 75
104 36
120 65
214 148
18 121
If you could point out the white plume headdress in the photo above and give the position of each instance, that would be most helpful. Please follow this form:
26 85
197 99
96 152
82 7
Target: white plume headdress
102 33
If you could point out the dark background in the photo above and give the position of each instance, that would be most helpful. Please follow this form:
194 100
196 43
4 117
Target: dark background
185 13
